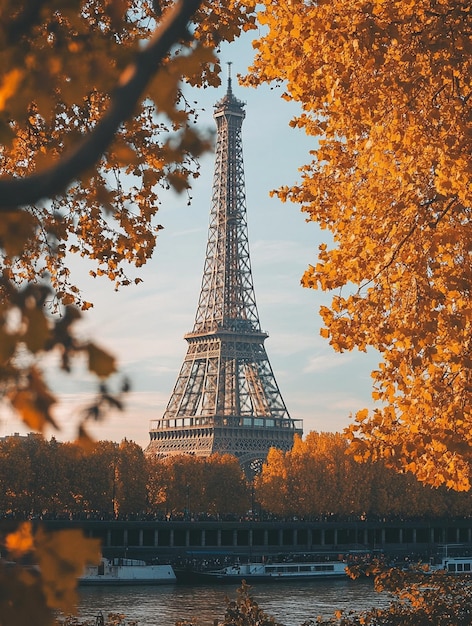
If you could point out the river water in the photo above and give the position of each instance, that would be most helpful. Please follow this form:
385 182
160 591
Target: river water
290 603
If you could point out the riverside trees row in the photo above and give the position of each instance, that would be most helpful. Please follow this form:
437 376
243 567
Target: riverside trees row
316 479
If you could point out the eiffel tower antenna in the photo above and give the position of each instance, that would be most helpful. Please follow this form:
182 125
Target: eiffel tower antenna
226 398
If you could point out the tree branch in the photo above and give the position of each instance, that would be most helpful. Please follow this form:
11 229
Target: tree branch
15 192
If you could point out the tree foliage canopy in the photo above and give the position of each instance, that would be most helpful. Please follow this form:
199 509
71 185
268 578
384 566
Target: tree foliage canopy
93 125
317 479
68 69
385 89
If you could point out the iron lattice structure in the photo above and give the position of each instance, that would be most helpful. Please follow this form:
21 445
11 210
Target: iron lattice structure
226 398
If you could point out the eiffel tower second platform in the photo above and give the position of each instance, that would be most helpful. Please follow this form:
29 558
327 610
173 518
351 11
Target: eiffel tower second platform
226 398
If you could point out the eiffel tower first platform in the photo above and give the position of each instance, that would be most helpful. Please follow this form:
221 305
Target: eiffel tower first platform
226 398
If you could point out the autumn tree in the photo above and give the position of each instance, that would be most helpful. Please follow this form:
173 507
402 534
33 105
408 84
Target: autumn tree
99 475
131 491
156 473
318 478
44 481
384 89
271 483
225 489
175 485
15 475
186 485
93 126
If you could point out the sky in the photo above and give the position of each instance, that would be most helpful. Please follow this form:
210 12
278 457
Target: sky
143 325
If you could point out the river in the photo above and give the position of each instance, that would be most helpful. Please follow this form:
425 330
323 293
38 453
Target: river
289 603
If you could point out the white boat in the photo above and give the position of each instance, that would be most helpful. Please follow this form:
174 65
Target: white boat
127 572
270 572
454 565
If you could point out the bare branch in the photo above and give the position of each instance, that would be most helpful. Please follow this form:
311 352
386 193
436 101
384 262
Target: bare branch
16 192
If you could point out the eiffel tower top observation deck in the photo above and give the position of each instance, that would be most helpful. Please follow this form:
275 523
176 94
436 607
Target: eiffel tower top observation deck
226 398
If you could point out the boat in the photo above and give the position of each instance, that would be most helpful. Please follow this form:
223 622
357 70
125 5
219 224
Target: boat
454 565
121 571
265 572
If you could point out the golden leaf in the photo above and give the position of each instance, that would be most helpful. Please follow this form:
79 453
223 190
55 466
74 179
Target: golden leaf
21 541
10 84
24 401
37 330
125 155
62 556
16 228
100 362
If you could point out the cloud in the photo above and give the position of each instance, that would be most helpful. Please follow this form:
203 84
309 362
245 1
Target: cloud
328 361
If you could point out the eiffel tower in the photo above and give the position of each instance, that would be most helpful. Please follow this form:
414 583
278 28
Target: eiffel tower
226 398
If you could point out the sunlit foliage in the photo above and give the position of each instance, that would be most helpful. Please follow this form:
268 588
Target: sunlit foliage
385 92
319 479
93 126
316 480
63 71
32 595
47 478
213 485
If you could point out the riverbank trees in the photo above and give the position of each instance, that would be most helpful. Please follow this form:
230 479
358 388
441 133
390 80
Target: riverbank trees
319 477
315 480
189 486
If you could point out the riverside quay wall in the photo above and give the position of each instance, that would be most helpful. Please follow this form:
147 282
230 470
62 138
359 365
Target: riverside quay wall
172 540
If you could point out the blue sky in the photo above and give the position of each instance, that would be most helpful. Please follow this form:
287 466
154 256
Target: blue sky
144 325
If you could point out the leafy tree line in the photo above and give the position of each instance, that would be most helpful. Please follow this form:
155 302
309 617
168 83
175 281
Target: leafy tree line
316 479
48 478
320 477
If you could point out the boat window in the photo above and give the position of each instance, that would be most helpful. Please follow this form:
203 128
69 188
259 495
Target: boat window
459 567
466 567
451 567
